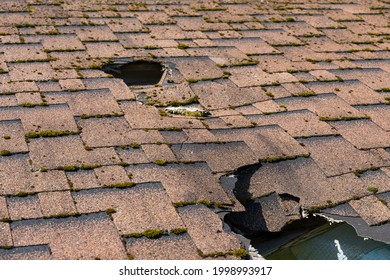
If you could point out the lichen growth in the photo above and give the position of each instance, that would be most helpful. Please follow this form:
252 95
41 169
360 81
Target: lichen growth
149 233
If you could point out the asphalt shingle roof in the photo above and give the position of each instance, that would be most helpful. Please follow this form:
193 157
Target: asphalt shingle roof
91 168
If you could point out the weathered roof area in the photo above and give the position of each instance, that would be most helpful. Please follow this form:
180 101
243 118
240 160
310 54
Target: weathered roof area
91 168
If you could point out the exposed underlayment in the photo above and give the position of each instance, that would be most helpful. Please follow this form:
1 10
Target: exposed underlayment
292 97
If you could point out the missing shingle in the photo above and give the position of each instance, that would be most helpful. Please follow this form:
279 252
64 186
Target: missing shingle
136 73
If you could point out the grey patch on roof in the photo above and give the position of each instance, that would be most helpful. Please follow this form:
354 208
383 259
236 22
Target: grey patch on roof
378 233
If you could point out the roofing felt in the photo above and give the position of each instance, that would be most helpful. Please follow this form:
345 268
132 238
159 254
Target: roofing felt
91 168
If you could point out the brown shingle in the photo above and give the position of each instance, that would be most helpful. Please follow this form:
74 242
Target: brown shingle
86 237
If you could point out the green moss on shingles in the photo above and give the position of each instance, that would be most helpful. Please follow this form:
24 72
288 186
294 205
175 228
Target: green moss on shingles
345 118
121 185
162 113
170 129
372 189
5 153
239 253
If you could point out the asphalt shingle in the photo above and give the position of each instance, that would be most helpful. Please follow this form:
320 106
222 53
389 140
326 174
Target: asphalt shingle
301 96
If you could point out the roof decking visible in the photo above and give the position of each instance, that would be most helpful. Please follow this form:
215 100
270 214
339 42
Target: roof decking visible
91 168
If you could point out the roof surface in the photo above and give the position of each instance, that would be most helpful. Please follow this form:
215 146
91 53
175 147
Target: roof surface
93 169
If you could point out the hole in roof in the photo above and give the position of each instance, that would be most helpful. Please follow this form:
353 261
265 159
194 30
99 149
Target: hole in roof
136 73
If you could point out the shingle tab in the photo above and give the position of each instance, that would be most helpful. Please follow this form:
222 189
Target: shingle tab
299 99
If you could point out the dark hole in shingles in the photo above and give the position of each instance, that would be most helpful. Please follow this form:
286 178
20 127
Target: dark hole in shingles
136 73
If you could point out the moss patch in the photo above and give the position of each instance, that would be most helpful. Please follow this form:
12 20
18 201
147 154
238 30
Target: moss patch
178 231
69 168
306 94
110 211
240 253
348 118
156 233
5 153
359 172
183 46
63 215
89 167
192 100
50 133
277 159
160 162
372 189
149 233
